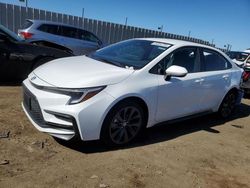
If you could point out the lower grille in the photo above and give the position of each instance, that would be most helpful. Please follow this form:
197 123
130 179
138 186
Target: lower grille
32 107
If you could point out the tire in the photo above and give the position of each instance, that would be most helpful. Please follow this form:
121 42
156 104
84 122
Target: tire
247 93
123 124
228 105
41 61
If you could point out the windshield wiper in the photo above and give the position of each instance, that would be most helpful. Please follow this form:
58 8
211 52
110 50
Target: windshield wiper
106 61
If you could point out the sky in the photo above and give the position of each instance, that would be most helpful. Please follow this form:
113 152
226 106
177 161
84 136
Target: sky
221 21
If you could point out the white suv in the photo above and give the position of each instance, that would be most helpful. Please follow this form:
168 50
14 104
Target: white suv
117 91
78 40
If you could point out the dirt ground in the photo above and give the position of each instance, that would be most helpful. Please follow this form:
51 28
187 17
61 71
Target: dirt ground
202 152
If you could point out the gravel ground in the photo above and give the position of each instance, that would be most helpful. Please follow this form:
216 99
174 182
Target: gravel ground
202 152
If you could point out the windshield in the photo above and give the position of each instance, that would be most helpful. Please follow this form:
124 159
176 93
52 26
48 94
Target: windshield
239 56
131 53
11 34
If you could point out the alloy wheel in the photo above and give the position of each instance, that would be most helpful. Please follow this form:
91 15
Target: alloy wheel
228 105
125 125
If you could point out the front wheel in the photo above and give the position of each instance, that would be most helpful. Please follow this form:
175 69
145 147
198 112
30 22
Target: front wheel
228 105
123 123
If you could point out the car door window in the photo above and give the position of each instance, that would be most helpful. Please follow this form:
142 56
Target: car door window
212 61
85 35
69 32
187 57
48 28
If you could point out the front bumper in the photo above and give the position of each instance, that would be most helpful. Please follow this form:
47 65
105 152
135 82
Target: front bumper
50 128
64 130
49 113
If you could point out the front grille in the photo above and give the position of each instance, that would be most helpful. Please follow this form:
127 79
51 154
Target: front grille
32 107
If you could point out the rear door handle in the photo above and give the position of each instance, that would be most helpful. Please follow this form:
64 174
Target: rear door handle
199 80
226 76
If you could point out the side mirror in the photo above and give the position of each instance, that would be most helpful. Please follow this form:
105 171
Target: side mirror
99 43
3 37
176 71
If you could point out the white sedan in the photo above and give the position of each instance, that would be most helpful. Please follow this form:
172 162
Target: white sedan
116 92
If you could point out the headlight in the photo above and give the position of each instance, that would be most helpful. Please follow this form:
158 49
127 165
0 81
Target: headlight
76 95
83 94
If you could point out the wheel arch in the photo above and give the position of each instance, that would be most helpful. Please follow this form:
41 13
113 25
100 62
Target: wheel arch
134 98
234 89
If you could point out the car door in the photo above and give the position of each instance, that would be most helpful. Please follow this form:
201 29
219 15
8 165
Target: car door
10 60
4 53
217 78
88 41
70 39
50 32
179 96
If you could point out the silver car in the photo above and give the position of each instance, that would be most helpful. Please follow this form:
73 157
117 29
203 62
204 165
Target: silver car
78 40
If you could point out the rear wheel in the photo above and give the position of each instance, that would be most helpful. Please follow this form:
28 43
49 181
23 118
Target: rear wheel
123 123
228 105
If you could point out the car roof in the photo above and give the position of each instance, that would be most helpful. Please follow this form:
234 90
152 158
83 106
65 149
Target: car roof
52 23
179 42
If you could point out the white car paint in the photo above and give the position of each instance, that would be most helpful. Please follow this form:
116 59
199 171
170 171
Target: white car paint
93 72
165 99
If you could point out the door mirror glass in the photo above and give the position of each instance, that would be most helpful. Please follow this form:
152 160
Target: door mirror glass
176 71
99 43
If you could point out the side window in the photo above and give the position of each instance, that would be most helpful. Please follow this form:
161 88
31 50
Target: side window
52 29
212 61
85 35
27 24
69 32
185 57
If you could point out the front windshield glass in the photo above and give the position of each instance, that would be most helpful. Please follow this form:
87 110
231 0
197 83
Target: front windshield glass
11 34
239 56
131 53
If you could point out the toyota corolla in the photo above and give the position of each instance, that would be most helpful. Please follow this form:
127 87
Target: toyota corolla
116 92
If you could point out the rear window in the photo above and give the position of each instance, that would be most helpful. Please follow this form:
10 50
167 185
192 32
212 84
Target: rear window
27 24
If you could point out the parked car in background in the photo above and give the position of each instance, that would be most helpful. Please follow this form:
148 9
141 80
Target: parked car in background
78 40
240 58
247 50
245 85
18 57
117 91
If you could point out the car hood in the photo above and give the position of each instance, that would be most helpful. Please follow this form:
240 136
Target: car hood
80 72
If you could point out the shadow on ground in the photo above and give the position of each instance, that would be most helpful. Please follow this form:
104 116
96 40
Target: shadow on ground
165 132
16 83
